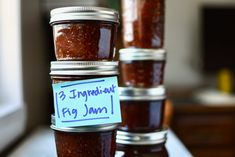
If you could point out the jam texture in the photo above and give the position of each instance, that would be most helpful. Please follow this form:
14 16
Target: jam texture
85 40
143 23
142 116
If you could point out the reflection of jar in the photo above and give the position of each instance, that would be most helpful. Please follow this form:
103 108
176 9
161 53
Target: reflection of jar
63 71
146 145
143 23
142 67
84 33
142 109
89 141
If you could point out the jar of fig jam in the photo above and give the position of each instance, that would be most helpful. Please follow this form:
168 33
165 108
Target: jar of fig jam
142 109
88 141
63 71
142 67
141 145
143 23
84 33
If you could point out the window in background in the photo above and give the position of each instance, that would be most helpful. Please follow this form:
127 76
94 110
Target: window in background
12 114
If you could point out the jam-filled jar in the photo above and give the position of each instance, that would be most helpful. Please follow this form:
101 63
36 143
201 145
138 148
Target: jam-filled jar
84 33
143 23
141 144
87 141
142 67
64 71
142 109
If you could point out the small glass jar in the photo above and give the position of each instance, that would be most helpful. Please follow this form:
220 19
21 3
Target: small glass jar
84 33
142 67
64 71
147 145
142 109
143 23
89 141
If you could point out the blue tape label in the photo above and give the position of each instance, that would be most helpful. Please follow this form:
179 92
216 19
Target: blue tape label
87 102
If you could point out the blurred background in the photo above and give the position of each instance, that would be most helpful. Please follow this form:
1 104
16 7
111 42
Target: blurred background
200 42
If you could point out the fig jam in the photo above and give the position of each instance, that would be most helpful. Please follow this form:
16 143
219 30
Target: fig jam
142 68
142 116
90 144
142 109
84 33
85 141
143 23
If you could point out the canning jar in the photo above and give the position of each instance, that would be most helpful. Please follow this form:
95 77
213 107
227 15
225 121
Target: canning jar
142 67
89 141
142 109
84 33
146 145
64 71
143 23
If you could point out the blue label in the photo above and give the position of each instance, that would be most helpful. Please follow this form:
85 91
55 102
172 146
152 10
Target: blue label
87 102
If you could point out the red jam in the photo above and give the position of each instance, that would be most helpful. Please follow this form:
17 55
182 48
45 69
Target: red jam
88 144
142 109
158 150
142 73
142 116
143 23
85 40
84 33
85 141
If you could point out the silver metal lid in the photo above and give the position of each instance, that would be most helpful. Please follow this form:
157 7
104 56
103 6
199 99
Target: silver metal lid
94 128
142 94
84 13
84 68
128 138
142 54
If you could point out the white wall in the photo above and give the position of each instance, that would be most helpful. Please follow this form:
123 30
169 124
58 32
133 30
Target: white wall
182 41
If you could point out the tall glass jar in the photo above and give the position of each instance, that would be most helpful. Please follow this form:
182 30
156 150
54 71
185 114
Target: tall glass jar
84 33
143 23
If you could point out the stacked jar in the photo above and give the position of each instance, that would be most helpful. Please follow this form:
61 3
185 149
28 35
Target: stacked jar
84 41
142 65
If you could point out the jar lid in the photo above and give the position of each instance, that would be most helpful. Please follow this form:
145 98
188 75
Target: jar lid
83 13
128 138
142 94
71 68
128 54
94 128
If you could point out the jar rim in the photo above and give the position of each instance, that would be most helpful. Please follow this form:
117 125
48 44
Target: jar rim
74 13
93 128
129 138
129 54
142 94
86 68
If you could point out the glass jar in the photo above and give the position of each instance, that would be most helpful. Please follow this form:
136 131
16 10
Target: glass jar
142 109
143 23
84 33
89 141
63 71
142 67
147 145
